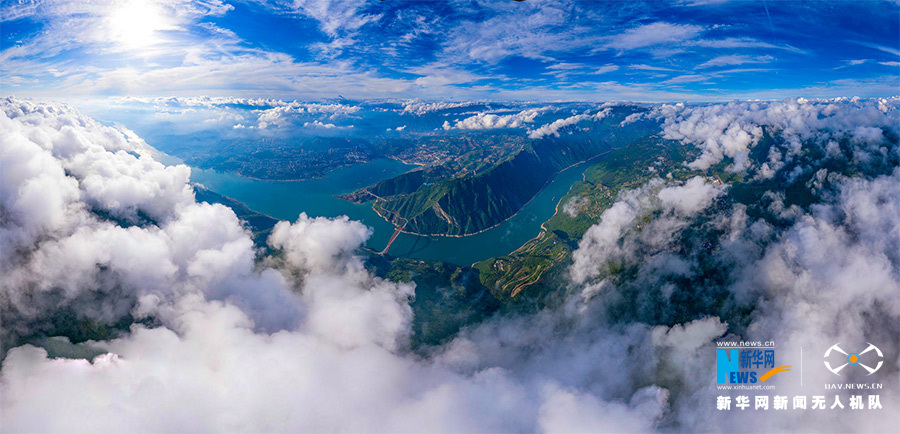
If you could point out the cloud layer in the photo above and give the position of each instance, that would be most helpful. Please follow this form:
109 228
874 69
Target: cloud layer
296 343
731 130
309 340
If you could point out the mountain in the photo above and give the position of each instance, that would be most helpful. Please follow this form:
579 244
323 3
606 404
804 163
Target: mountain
536 268
454 199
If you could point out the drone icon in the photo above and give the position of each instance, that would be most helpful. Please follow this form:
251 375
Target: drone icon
854 359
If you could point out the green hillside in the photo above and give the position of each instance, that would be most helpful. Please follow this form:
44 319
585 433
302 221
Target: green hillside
539 265
461 197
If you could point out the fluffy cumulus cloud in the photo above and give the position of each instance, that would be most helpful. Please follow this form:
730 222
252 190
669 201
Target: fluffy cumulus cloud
94 223
806 278
285 113
300 341
190 114
553 127
731 130
319 124
833 277
421 108
227 338
490 121
678 204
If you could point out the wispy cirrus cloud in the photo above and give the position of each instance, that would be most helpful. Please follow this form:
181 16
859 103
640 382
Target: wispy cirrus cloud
852 62
421 50
734 59
686 78
880 47
339 20
565 70
530 31
606 68
642 67
649 35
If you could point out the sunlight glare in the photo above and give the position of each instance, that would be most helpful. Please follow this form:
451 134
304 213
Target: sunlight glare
135 24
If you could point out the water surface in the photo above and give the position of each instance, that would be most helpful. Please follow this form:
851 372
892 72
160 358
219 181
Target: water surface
286 200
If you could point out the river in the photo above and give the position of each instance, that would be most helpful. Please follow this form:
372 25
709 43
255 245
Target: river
286 200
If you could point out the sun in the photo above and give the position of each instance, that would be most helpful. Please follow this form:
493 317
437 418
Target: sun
136 24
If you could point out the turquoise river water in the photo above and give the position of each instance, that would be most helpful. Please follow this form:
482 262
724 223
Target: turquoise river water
286 200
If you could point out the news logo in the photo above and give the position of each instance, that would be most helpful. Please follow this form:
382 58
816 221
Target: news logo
746 365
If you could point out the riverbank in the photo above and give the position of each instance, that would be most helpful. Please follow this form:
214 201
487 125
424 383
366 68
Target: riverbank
548 182
286 200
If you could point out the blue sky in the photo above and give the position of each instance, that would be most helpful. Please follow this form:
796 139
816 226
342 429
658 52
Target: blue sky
500 50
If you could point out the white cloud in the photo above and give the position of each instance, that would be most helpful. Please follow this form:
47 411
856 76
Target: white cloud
553 127
308 340
692 197
523 29
653 34
575 204
300 341
286 112
566 66
486 121
606 68
632 118
833 266
883 48
743 43
564 70
687 78
421 108
599 244
643 67
734 59
339 20
180 53
132 27
730 130
336 17
436 76
319 124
